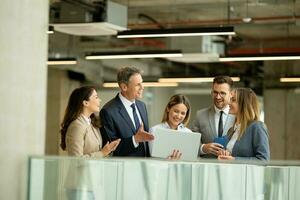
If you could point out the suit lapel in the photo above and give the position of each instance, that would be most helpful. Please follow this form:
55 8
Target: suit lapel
124 114
142 113
211 116
229 123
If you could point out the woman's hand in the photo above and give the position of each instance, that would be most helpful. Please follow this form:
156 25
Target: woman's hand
110 147
175 155
225 155
221 157
223 152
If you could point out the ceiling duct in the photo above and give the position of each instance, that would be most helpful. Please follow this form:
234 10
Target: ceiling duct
198 49
106 18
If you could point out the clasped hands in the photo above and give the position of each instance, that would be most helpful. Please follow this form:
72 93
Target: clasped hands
110 147
217 150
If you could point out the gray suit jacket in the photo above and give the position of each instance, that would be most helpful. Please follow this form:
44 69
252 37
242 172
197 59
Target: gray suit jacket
254 144
204 123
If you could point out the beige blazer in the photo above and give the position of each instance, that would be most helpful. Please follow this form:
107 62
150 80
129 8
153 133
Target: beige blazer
83 139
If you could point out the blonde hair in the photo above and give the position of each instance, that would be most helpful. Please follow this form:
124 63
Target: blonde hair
174 100
248 108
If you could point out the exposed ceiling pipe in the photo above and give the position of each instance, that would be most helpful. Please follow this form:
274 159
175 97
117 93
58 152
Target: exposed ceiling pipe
258 20
256 51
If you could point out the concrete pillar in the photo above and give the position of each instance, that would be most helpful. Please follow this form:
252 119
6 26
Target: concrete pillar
58 92
281 103
23 75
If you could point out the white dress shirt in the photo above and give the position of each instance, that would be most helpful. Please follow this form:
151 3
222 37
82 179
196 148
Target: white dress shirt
224 117
180 127
127 105
217 117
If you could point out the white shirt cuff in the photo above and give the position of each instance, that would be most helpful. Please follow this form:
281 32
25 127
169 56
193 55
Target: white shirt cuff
134 142
201 150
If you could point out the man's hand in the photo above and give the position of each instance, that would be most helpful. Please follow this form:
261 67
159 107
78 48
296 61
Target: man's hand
212 148
142 135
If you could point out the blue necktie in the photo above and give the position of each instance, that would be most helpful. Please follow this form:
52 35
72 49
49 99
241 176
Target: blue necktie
136 119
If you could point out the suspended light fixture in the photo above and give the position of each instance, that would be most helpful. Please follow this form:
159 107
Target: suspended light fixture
62 61
259 58
135 54
50 30
290 79
145 84
192 80
177 32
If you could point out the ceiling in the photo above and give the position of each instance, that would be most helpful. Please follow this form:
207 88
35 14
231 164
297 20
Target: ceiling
261 26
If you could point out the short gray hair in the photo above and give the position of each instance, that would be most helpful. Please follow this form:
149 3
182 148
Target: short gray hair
125 73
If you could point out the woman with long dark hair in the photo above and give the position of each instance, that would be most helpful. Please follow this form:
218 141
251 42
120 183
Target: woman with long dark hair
80 135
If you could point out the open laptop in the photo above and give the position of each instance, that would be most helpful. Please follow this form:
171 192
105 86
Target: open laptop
166 140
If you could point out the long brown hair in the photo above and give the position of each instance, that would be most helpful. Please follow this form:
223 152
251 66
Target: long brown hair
174 100
74 109
248 107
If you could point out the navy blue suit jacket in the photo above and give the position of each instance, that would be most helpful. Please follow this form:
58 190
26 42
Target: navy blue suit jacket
116 123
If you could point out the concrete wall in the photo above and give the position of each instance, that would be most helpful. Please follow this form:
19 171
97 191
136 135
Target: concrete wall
281 116
23 78
59 90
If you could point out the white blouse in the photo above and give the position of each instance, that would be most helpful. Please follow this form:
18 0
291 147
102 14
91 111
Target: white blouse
234 137
180 127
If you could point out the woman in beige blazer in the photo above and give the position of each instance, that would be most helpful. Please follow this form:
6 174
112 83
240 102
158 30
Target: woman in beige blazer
80 135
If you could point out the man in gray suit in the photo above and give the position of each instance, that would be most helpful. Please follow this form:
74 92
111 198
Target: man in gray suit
214 122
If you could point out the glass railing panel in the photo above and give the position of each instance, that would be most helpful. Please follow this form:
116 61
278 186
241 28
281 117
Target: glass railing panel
294 182
150 179
255 185
67 178
276 182
218 181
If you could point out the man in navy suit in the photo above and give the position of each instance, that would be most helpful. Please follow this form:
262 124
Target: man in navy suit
125 117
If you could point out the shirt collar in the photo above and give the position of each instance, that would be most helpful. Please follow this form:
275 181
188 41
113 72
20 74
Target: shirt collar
225 110
87 119
125 101
180 126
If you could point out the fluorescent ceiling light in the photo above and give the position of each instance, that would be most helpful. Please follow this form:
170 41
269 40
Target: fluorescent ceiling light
50 30
145 84
142 54
259 58
290 79
67 61
176 32
196 58
192 80
88 29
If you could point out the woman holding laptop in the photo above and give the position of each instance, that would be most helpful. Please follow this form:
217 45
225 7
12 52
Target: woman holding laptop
176 116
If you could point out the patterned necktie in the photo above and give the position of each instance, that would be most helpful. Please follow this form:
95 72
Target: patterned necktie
220 128
136 119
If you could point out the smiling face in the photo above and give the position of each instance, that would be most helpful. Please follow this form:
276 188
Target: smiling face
233 105
134 89
176 115
92 105
221 95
